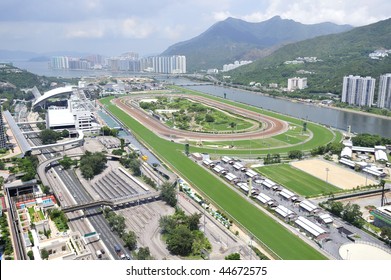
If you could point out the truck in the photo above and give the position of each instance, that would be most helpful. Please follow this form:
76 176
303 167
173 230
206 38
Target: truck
99 254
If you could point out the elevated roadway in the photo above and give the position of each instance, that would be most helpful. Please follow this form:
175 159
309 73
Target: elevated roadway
148 197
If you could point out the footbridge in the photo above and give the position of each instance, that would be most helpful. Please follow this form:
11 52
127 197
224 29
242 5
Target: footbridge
123 201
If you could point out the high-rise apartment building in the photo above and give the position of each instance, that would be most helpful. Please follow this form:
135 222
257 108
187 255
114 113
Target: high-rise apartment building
164 64
358 90
297 83
3 139
384 98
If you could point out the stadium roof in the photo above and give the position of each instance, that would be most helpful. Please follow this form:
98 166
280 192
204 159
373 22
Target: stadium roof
22 142
53 93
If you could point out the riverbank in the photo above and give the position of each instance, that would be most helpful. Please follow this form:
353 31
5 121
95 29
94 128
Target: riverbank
293 100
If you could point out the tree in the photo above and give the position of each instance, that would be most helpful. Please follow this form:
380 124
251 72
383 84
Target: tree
45 189
144 254
209 118
92 164
30 254
187 149
353 215
130 240
233 256
44 254
135 165
180 241
386 233
336 207
49 136
167 224
64 133
193 221
66 162
122 140
295 154
168 193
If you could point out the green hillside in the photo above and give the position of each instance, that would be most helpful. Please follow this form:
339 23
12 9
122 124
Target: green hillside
340 54
235 39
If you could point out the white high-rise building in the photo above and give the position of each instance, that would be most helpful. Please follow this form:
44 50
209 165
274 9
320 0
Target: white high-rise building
164 64
297 83
384 98
358 90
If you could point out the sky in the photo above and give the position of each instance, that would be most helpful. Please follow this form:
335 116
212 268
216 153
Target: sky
112 27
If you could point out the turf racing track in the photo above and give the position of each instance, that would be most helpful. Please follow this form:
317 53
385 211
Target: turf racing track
276 237
270 126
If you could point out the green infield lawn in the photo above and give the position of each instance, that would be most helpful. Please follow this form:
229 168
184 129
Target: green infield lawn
281 241
296 180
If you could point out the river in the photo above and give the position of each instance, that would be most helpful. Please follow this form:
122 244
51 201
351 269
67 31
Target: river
359 123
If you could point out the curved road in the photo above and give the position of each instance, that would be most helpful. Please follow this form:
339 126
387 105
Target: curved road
272 126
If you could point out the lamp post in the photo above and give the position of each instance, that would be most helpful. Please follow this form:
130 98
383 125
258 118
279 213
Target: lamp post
327 174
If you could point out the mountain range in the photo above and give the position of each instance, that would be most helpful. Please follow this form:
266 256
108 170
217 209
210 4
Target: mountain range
235 39
337 55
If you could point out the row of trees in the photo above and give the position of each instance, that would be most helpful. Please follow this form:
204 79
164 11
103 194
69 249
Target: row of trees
107 131
271 159
369 140
349 212
333 148
182 234
133 163
49 136
5 240
117 224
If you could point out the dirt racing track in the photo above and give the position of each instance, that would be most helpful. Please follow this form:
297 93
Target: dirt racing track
270 126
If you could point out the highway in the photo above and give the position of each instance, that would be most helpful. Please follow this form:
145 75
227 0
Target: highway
79 195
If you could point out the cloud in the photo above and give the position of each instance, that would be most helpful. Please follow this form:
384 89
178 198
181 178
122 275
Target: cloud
133 28
87 30
173 32
219 16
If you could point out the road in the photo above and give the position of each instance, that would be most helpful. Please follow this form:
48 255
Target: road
96 219
71 183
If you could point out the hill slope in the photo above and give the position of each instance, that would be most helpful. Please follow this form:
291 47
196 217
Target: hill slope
235 39
341 54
